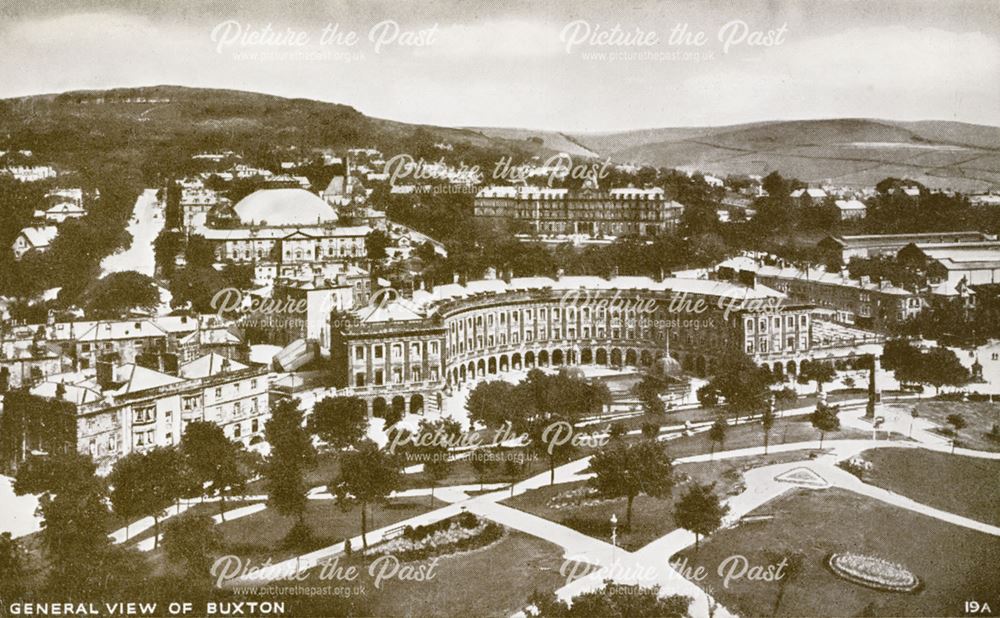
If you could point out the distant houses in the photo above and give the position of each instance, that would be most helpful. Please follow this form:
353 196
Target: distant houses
34 239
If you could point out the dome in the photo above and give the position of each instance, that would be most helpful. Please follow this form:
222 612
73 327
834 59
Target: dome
668 366
284 207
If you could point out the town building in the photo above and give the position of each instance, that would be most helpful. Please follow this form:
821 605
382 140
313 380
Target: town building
888 245
34 239
955 265
119 409
851 210
587 211
400 355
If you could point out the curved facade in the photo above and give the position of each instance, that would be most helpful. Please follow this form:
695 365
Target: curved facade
458 333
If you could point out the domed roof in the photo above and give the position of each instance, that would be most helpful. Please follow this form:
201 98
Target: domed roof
284 207
668 366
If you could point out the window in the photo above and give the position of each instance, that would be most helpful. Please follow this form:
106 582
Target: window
379 351
359 352
218 392
379 377
359 379
414 349
146 414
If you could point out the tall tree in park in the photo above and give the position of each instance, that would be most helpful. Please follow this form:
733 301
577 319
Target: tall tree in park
435 456
548 441
825 418
376 243
292 453
717 434
700 511
817 371
744 385
957 422
75 517
146 484
903 359
483 463
767 420
492 404
216 464
628 470
648 390
368 475
190 541
340 421
941 367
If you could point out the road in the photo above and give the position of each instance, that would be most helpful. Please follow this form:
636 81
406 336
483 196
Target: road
145 225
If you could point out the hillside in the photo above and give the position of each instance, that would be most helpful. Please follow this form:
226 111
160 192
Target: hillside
846 151
552 140
157 128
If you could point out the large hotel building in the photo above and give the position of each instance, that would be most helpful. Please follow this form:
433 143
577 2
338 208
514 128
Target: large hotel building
404 354
587 211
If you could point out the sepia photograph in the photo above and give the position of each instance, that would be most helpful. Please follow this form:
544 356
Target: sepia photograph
500 309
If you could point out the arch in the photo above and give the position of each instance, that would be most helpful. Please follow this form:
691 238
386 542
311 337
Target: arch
790 368
481 368
529 359
557 357
616 357
472 370
417 404
398 409
571 357
543 358
687 363
631 358
602 356
586 356
515 360
646 358
504 363
379 407
778 370
461 373
492 365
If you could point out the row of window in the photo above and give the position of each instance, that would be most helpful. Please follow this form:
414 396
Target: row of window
397 375
378 351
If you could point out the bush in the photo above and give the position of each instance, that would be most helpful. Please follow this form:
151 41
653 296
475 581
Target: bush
299 537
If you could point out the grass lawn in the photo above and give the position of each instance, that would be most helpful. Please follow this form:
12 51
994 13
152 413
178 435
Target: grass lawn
955 564
743 436
259 536
979 416
651 517
966 486
496 580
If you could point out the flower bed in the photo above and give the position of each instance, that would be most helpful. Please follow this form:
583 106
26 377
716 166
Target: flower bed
873 572
573 498
448 536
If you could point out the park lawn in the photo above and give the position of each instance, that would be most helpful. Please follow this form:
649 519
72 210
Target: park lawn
967 486
955 564
260 536
980 416
495 580
651 517
785 431
205 508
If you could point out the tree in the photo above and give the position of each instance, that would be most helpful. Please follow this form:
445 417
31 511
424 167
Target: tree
190 542
215 463
650 431
941 367
435 456
609 602
117 294
482 464
75 517
957 422
744 385
903 359
717 434
547 443
367 475
292 452
819 371
340 421
648 391
914 414
12 567
492 404
146 484
700 511
825 419
628 470
513 466
767 420
376 243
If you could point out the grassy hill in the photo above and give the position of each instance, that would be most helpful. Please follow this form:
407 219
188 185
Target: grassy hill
159 127
844 151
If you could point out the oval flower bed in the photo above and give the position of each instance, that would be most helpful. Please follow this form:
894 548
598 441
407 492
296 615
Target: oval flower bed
448 536
873 572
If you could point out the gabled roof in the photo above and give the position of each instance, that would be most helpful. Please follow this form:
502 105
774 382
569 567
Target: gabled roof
209 365
136 378
41 236
103 331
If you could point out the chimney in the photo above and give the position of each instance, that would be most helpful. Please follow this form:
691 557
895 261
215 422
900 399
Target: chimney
105 372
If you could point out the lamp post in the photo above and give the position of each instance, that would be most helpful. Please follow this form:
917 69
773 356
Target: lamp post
614 535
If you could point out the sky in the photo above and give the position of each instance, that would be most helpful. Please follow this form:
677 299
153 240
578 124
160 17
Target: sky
580 66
